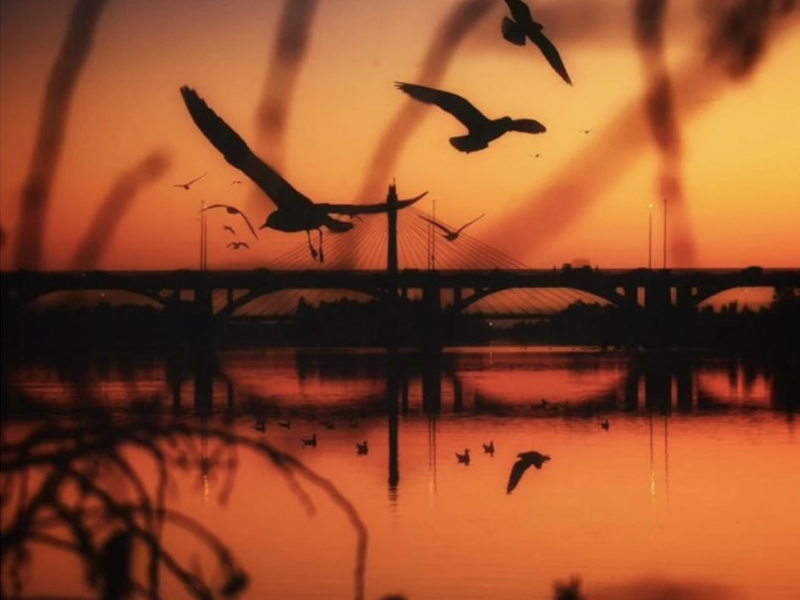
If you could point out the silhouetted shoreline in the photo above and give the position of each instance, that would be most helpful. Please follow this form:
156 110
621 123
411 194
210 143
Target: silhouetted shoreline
346 323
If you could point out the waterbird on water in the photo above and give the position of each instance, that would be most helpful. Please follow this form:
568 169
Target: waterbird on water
489 448
188 184
482 130
285 424
521 25
605 424
312 441
448 234
463 458
232 210
362 448
237 245
526 459
295 211
261 425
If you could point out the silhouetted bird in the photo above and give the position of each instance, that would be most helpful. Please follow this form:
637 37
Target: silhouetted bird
328 424
232 210
526 459
463 458
362 448
237 245
489 448
522 25
586 131
229 228
312 441
296 212
261 425
235 181
188 184
285 424
605 424
482 130
448 234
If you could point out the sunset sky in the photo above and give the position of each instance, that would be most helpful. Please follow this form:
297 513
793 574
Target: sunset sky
736 156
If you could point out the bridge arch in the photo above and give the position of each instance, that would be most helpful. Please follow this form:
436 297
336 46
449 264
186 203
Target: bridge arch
599 296
290 296
32 297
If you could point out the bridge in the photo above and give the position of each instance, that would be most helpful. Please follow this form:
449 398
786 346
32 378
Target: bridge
404 260
443 290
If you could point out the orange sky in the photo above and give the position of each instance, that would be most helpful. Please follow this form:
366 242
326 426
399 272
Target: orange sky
740 160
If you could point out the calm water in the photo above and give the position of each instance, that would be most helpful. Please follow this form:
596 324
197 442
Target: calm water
691 492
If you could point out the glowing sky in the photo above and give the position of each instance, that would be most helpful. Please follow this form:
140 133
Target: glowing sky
586 195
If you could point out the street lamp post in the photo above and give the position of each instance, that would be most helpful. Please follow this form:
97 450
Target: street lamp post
665 234
650 236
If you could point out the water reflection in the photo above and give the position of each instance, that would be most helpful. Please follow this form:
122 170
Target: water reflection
719 430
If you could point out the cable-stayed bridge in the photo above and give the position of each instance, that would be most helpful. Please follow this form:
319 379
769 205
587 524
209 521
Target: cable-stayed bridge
463 276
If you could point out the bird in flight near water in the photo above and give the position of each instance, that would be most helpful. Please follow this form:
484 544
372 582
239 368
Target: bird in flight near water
295 211
237 245
526 459
447 233
482 130
521 25
188 184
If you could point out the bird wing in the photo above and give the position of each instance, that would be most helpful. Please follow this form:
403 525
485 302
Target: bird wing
230 208
463 227
461 108
520 11
245 245
246 220
551 54
436 224
363 209
238 154
516 474
196 179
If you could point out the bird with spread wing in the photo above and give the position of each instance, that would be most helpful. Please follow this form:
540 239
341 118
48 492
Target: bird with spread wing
188 184
237 245
526 459
482 129
451 235
232 210
295 212
521 25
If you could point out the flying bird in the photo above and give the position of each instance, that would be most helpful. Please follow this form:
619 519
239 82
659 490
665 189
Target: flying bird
521 25
188 184
229 228
232 210
526 459
295 212
482 130
237 245
447 233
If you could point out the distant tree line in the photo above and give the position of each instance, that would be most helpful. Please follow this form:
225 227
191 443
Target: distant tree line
353 323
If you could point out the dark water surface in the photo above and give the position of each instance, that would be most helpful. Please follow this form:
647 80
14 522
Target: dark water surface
691 492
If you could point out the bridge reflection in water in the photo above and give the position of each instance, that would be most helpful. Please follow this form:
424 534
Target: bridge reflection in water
309 385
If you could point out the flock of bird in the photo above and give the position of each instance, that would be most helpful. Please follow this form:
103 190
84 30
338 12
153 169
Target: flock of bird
296 212
524 461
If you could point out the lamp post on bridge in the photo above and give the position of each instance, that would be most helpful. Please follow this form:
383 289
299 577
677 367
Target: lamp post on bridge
650 236
665 234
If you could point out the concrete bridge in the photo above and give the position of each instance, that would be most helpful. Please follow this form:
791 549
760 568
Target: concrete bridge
653 290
